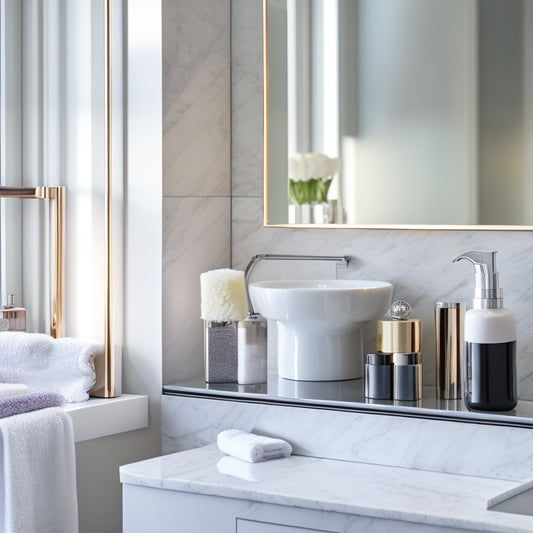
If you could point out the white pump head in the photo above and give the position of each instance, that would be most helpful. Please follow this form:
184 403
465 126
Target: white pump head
488 294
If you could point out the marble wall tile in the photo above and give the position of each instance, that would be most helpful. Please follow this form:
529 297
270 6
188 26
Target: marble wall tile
436 445
196 238
246 97
418 263
196 98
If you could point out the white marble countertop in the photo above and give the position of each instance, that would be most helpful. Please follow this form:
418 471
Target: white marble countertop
338 486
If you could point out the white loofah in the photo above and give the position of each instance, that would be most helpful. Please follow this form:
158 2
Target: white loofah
223 296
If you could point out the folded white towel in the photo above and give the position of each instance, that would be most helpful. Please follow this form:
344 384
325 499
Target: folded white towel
38 473
250 447
12 389
44 364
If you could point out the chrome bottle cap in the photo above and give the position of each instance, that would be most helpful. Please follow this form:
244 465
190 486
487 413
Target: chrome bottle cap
488 294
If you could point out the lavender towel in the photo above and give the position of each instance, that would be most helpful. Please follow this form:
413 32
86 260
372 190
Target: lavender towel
24 403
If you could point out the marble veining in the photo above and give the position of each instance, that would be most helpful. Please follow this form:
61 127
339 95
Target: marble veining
195 239
196 170
246 98
196 98
328 485
433 445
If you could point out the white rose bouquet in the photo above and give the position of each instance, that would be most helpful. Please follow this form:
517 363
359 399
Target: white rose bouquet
310 177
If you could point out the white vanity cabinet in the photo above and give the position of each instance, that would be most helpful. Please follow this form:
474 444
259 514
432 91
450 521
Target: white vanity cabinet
203 491
150 509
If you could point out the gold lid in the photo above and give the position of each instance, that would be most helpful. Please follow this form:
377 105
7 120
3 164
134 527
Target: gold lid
399 336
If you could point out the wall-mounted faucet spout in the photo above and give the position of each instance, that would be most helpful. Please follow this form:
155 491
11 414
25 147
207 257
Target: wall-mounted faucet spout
342 263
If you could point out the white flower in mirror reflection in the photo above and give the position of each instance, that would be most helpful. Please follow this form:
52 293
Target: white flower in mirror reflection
311 161
310 177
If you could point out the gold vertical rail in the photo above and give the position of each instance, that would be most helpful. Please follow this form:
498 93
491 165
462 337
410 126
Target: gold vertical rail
109 350
56 197
109 353
108 390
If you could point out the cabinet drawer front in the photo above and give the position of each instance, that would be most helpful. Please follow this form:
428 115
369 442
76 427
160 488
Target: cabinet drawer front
252 526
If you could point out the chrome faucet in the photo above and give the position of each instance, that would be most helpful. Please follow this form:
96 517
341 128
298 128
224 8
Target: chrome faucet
342 265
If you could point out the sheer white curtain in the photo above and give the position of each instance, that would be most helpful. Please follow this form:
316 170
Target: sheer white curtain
62 141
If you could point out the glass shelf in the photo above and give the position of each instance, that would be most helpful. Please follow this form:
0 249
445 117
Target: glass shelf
349 396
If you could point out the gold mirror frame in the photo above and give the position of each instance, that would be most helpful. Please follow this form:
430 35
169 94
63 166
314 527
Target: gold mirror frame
266 221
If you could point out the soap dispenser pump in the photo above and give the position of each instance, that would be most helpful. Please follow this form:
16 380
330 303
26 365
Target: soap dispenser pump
490 341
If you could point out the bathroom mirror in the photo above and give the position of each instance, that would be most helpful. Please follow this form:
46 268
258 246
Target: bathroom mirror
426 106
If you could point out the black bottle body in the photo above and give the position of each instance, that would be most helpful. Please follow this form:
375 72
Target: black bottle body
490 376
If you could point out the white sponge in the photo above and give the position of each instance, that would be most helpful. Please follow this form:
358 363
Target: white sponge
223 296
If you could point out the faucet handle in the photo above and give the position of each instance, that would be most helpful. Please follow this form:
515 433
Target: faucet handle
341 267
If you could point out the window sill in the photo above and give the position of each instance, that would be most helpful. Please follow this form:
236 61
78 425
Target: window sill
99 417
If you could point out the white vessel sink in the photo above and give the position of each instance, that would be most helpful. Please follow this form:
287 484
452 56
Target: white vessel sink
319 324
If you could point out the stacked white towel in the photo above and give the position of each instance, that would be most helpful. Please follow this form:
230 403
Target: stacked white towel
38 473
12 389
64 366
250 447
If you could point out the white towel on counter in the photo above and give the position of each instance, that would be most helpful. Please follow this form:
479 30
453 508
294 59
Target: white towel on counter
250 447
64 366
12 389
38 473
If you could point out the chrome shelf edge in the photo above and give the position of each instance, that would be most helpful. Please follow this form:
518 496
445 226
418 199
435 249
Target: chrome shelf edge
198 389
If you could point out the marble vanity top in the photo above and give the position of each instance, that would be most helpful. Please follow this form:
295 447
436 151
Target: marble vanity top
337 486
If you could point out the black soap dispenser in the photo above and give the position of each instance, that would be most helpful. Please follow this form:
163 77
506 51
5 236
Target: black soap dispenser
490 341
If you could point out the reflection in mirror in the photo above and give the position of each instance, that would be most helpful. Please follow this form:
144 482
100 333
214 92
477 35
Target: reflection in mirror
427 105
